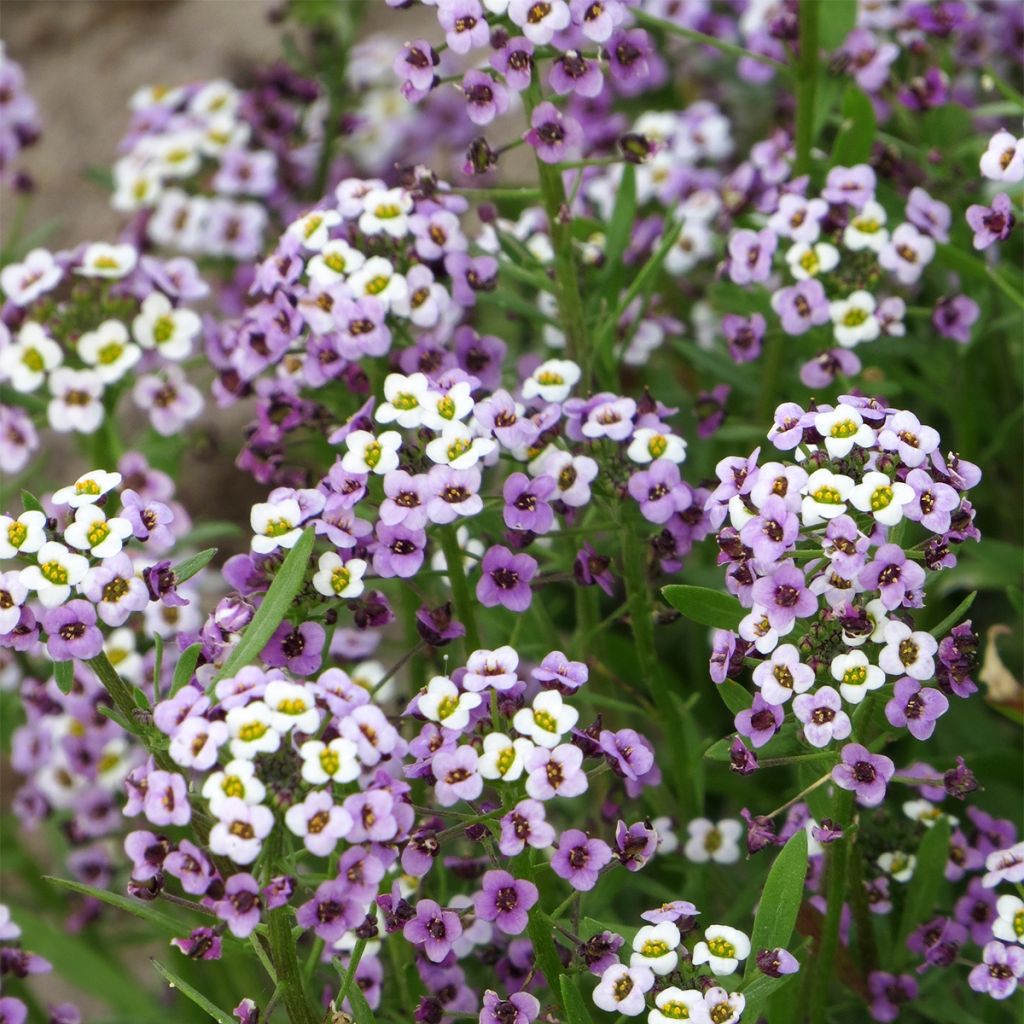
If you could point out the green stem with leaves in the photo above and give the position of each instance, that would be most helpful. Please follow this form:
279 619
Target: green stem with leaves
806 84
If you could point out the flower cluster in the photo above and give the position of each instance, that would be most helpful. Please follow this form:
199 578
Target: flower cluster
19 120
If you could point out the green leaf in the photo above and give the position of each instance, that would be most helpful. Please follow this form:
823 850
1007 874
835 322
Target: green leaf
187 569
620 228
271 613
923 888
705 606
139 908
780 901
360 1007
31 502
186 667
839 18
857 131
735 697
64 675
541 929
576 1011
954 617
197 997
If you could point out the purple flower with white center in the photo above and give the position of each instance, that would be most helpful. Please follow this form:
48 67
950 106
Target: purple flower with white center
452 493
434 929
573 73
505 900
519 1008
166 801
635 844
514 61
464 24
579 859
854 185
71 632
399 551
505 579
557 672
240 905
863 773
457 776
526 507
557 772
954 316
991 224
785 597
501 415
760 722
627 752
894 575
801 306
822 716
660 491
888 993
750 255
915 708
1001 969
331 911
486 98
772 531
553 135
743 335
115 589
525 825
296 648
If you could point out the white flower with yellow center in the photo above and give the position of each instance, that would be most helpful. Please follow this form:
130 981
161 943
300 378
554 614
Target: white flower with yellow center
825 495
1009 924
552 381
444 703
854 320
313 228
24 535
337 578
867 229
110 261
674 1004
924 812
386 211
899 866
842 428
240 832
405 399
292 707
109 350
722 949
655 946
236 781
856 676
216 98
908 652
56 571
717 841
87 489
546 720
168 330
92 531
882 497
334 262
503 757
458 447
175 154
26 361
649 445
442 409
252 731
275 524
378 279
369 454
136 185
337 761
807 261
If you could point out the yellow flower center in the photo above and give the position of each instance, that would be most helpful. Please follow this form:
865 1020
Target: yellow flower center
854 317
405 401
87 486
506 759
549 377
654 948
277 527
340 579
827 496
110 353
446 408
881 498
721 947
377 284
33 360
292 706
387 211
867 225
336 262
372 453
855 676
674 1010
17 534
546 721
329 761
312 225
657 446
163 330
233 786
458 448
252 731
54 572
810 262
97 533
447 707
843 429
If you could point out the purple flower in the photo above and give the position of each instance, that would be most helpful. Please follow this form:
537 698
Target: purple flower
166 800
864 773
452 493
434 929
993 223
557 772
869 61
801 306
785 597
500 415
820 371
200 944
169 398
470 274
660 491
332 910
933 502
750 255
149 519
515 62
519 1008
915 708
976 911
457 776
893 574
777 962
464 23
147 853
999 972
853 185
628 753
399 551
189 865
954 316
505 579
633 63
635 844
929 215
525 825
505 900
240 905
772 531
554 135
71 632
760 722
415 65
744 335
526 507
573 73
296 648
579 859
888 993
486 98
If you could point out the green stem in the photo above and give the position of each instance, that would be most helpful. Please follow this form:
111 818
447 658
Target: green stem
462 597
807 84
861 913
286 966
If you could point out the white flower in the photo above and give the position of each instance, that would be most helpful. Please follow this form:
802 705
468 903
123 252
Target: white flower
694 242
757 630
503 757
723 1007
714 841
439 410
196 741
112 261
1009 925
722 949
622 989
1003 160
252 731
26 362
668 841
87 489
275 524
673 1004
292 706
552 381
908 652
898 865
855 676
25 534
546 720
334 262
237 781
120 648
866 229
648 445
240 832
378 279
853 319
458 448
924 812
442 702
337 578
386 211
92 531
109 350
312 229
807 261
654 946
404 399
136 185
825 495
369 454
56 571
843 427
170 331
23 283
337 761
76 401
882 497
216 97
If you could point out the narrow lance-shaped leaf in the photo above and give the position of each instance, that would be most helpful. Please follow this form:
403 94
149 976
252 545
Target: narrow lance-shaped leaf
64 675
138 908
576 1011
705 606
923 888
186 667
197 997
190 566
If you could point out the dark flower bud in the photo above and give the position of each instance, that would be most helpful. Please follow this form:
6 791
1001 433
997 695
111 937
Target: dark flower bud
480 158
146 891
960 781
742 761
635 148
